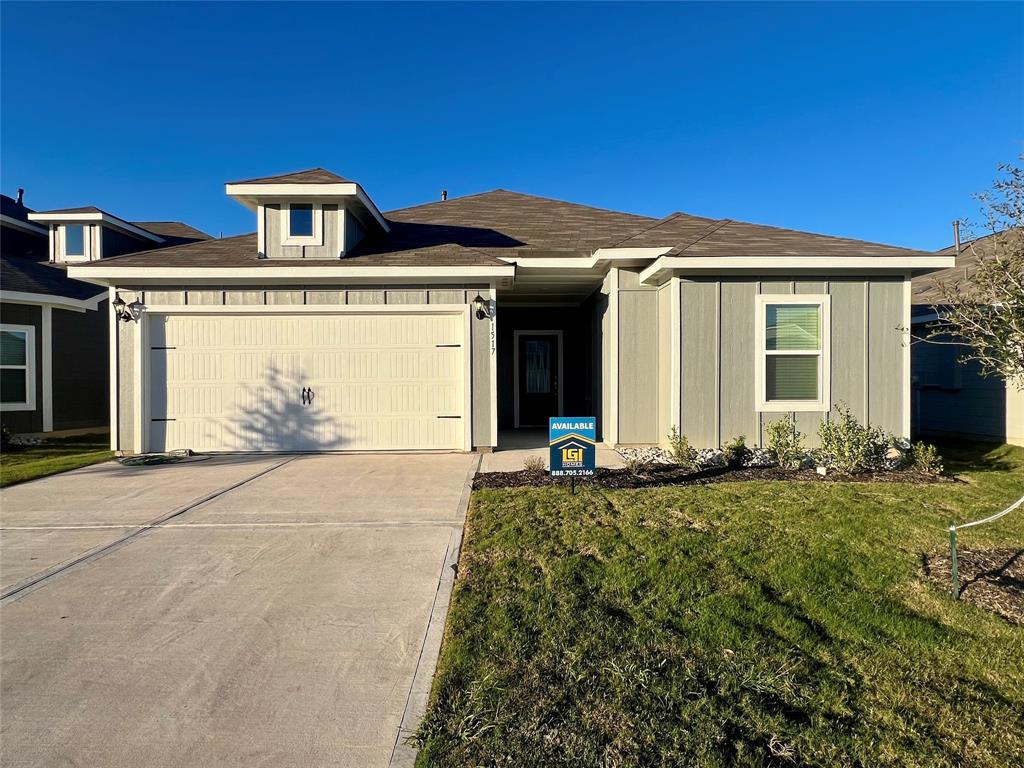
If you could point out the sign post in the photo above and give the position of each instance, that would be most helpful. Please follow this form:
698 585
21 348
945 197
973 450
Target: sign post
572 444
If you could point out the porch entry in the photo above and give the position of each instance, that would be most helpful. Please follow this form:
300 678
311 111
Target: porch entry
538 377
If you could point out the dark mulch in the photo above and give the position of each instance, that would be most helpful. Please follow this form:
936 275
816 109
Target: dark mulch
668 474
992 579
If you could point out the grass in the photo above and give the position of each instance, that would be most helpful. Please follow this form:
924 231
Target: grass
51 457
746 624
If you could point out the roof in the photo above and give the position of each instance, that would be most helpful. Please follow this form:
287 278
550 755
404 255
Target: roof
482 229
11 207
173 232
925 293
27 276
309 176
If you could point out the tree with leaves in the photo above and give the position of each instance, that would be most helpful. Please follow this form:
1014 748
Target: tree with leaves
983 309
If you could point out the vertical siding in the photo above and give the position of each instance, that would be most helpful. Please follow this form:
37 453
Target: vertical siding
638 366
81 384
664 360
480 331
718 357
698 311
885 362
736 381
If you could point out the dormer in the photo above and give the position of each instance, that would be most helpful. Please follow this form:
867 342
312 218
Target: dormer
314 214
89 234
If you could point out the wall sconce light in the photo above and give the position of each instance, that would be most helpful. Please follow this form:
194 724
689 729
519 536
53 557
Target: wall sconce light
125 311
481 307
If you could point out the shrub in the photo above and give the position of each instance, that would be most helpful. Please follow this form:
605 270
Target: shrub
925 458
786 443
736 452
848 446
682 452
634 464
534 464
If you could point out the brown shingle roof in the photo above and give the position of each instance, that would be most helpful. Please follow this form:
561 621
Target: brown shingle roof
173 232
924 291
309 176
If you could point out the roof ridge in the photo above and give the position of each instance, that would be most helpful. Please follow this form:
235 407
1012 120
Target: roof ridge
708 231
448 200
108 259
655 225
830 237
520 194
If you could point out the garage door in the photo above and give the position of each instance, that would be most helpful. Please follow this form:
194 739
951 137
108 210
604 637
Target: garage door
307 382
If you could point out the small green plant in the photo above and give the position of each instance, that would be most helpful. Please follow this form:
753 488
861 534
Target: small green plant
682 452
847 445
736 452
534 464
925 458
785 442
635 465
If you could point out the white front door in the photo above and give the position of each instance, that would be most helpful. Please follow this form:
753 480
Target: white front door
291 382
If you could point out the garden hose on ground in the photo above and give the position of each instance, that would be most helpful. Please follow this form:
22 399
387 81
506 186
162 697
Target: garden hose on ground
145 459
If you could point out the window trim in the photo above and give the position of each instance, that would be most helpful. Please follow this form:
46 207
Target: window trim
822 403
317 238
29 367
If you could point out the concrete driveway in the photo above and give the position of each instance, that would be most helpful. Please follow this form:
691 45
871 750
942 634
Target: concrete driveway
278 611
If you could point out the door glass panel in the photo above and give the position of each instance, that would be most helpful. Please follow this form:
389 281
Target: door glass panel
538 367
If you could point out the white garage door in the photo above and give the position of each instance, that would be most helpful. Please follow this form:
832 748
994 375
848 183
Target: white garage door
307 382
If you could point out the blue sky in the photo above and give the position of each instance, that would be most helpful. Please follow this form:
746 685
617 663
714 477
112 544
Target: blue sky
871 121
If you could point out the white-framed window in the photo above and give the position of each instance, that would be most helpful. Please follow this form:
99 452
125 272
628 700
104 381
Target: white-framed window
302 223
17 367
74 242
792 369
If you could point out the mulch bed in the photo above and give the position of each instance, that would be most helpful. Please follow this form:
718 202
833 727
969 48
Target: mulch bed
670 475
992 579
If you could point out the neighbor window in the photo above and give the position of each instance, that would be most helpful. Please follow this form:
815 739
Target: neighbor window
300 220
74 240
792 352
17 377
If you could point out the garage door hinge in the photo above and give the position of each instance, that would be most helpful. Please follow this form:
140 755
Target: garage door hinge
447 345
449 417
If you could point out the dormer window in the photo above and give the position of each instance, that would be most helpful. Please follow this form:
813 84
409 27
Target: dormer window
303 223
74 240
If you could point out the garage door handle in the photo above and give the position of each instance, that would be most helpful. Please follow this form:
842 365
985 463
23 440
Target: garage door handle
449 417
307 396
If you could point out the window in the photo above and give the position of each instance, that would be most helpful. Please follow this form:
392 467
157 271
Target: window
300 220
17 368
74 240
792 371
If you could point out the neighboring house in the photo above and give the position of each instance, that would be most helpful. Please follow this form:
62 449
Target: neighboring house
952 399
54 329
440 326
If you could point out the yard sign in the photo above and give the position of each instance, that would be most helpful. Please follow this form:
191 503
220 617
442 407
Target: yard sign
571 442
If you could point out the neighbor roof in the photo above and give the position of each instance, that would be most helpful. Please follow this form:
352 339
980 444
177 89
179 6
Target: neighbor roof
925 293
24 275
310 176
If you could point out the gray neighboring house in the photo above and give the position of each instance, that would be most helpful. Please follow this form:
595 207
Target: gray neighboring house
952 399
335 326
54 329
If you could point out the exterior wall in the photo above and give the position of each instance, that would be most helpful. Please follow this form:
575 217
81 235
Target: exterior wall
603 321
26 421
951 399
113 243
334 238
664 360
718 355
638 340
482 357
81 351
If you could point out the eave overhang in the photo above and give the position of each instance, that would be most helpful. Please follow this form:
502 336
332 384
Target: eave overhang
91 217
667 266
251 195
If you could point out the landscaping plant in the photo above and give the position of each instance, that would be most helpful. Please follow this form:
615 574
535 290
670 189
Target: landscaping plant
736 452
925 458
534 464
786 443
682 452
847 445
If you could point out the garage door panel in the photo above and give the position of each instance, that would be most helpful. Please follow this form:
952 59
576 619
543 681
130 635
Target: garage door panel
234 383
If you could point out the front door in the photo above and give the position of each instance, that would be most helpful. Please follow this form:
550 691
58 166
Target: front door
537 387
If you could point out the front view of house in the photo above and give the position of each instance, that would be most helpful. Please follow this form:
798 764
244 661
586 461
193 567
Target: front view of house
446 326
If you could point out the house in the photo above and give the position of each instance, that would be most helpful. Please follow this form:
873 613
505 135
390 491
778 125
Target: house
54 329
336 326
950 398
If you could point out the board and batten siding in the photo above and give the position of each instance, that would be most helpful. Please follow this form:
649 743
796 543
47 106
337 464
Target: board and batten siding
718 355
638 353
482 354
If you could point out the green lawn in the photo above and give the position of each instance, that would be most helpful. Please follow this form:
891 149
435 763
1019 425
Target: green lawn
761 623
53 456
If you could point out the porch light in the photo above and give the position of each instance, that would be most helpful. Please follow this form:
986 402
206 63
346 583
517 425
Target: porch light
126 312
481 307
